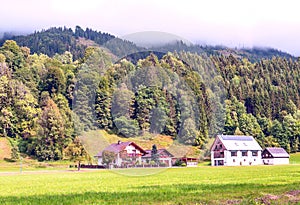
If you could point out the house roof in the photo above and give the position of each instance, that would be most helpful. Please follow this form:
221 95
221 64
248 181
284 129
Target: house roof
239 142
160 152
118 147
277 152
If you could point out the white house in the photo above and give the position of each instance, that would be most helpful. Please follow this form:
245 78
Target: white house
275 155
125 153
232 150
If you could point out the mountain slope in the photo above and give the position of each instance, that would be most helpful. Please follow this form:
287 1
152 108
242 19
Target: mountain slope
58 40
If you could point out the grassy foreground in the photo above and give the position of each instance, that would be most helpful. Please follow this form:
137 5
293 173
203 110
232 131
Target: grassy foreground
202 185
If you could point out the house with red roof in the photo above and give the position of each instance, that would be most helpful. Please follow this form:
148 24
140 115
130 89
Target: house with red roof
125 153
275 155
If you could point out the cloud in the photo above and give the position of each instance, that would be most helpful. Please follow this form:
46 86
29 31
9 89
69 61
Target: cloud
231 22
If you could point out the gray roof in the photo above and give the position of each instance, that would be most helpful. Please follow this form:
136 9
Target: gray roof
277 152
160 152
239 142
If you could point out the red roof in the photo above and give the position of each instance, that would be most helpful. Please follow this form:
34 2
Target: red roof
120 146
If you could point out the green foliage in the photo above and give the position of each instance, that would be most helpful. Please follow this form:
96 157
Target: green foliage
46 101
154 154
127 127
108 157
51 139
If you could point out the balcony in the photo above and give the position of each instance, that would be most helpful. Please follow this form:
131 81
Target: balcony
218 155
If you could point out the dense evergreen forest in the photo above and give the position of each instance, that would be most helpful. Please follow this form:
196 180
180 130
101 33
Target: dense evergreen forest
56 83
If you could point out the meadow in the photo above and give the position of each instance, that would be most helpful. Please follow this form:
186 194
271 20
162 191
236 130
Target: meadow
201 185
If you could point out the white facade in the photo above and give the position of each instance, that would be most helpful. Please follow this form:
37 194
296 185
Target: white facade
276 161
230 159
275 155
235 151
130 152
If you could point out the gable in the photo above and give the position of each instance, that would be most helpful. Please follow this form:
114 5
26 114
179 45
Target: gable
217 145
275 152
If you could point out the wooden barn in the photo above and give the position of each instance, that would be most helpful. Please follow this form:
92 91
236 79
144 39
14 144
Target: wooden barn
275 155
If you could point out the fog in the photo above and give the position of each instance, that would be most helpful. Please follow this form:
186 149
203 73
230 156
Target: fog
231 23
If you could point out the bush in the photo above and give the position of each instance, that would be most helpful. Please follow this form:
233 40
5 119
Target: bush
178 163
152 162
183 164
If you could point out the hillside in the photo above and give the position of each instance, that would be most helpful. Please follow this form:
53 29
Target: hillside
96 140
48 102
59 40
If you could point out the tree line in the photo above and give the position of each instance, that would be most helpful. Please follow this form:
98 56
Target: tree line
47 101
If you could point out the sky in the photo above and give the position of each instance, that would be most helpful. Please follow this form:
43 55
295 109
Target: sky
233 23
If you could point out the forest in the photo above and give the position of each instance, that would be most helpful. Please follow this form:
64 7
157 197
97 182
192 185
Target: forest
56 83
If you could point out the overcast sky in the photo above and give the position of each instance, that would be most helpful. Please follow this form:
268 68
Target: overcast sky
233 23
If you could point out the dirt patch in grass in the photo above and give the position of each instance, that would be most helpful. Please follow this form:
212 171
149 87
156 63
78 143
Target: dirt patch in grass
290 197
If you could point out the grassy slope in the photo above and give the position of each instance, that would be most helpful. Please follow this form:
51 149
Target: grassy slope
295 158
95 141
212 185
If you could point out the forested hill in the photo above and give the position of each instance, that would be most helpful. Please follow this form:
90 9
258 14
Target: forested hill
58 40
47 101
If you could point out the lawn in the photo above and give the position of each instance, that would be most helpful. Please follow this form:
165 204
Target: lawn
202 185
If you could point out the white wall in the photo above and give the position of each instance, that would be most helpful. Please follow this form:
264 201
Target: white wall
239 159
274 161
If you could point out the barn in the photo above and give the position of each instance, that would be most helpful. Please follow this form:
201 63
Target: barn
275 155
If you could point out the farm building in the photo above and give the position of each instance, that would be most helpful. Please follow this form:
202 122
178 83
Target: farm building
190 161
125 153
164 157
232 150
275 155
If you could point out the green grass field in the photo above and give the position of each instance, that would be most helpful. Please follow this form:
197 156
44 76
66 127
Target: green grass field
202 185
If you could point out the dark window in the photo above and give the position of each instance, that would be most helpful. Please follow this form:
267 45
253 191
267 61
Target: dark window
233 154
244 153
254 153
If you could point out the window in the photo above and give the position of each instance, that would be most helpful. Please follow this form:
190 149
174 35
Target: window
244 153
233 160
233 154
254 153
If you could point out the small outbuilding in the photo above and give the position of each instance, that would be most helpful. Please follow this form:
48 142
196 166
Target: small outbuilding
164 157
275 155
